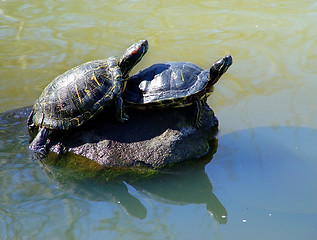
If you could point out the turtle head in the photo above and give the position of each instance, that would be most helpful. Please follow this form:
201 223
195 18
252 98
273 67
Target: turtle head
132 56
219 68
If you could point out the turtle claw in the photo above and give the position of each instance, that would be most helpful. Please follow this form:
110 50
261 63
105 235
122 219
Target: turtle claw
40 153
124 118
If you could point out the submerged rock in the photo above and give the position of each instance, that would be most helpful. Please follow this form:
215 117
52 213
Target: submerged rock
152 138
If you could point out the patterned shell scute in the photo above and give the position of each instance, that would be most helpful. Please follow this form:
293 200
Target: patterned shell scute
172 80
75 96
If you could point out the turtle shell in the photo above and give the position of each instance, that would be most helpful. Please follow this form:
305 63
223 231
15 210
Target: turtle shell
76 95
164 83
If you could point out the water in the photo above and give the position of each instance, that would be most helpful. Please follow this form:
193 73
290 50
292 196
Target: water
263 173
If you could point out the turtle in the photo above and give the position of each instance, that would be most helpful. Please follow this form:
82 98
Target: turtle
174 84
80 93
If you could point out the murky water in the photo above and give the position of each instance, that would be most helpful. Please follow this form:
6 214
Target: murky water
263 173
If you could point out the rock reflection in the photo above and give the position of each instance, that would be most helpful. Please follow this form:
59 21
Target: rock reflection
182 184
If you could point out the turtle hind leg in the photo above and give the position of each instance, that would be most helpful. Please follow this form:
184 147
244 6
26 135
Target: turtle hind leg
38 145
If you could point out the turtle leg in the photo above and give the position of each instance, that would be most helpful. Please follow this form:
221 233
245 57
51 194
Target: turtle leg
197 113
117 88
120 114
38 145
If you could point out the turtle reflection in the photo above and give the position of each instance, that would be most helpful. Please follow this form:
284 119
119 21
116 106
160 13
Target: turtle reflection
182 184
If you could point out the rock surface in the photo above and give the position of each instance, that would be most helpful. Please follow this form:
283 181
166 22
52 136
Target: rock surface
152 138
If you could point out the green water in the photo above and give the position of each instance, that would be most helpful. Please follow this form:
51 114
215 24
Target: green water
263 175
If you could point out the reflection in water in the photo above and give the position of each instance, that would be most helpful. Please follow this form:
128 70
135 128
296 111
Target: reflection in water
183 184
95 189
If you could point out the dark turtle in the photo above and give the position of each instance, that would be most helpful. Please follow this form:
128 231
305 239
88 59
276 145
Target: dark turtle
80 93
174 84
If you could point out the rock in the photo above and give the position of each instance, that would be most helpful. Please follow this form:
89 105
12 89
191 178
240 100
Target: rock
152 138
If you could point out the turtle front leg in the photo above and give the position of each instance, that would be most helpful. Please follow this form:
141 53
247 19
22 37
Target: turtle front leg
38 145
197 113
118 87
120 114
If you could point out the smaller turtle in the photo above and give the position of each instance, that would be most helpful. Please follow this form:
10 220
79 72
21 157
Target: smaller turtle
80 93
174 84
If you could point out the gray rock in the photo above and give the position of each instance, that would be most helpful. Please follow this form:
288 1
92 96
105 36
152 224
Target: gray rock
153 138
